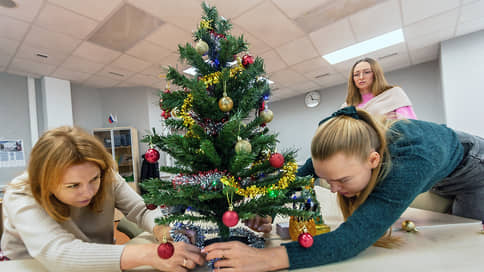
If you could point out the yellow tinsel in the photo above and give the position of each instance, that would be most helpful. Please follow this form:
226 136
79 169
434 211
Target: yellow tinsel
205 24
214 77
185 115
289 176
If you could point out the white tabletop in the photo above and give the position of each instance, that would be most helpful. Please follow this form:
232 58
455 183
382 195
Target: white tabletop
443 243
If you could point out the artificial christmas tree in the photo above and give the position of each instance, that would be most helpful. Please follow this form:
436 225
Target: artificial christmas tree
222 148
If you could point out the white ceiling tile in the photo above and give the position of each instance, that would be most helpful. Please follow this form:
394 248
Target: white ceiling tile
70 75
26 9
472 11
470 26
294 9
47 39
331 80
160 84
267 23
231 9
272 62
94 9
416 10
312 68
424 54
154 70
12 28
4 59
60 20
79 64
297 51
148 51
256 46
130 63
101 82
333 37
387 53
54 57
185 14
304 86
176 36
286 77
31 67
376 20
394 61
142 80
465 2
115 73
23 73
96 53
2 68
8 47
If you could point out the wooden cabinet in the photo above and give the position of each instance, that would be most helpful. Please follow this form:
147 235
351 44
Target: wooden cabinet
122 143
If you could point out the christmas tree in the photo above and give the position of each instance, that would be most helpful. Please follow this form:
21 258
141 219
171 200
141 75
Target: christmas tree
227 167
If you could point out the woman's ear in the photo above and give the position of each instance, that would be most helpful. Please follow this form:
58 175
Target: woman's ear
374 159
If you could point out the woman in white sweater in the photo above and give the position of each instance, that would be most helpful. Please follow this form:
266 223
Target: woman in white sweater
61 211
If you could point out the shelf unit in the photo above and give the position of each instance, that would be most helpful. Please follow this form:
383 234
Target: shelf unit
122 143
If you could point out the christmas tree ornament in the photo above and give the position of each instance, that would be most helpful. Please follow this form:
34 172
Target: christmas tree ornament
165 249
175 113
201 47
409 226
225 103
322 228
230 218
266 115
247 60
243 146
276 160
152 155
161 103
305 240
151 206
296 225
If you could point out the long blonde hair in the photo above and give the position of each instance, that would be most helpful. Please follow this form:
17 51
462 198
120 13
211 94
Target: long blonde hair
55 151
380 84
357 138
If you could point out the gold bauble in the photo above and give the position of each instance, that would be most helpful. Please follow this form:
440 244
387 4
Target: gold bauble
201 47
409 226
322 228
296 227
225 104
266 115
243 146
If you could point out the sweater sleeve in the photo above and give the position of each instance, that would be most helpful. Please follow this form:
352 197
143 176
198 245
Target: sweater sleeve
132 205
51 244
306 169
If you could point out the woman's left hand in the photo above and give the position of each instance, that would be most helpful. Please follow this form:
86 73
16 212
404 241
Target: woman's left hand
236 256
261 224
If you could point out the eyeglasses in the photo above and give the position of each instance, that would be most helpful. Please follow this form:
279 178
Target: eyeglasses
364 73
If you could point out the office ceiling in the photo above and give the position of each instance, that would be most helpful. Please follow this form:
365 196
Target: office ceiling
124 43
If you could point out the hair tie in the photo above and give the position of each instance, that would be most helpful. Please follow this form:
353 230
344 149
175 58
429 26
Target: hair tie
347 111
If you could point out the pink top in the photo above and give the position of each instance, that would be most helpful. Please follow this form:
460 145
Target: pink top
403 112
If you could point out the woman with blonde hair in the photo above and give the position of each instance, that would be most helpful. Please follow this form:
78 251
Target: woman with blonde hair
61 210
377 169
369 90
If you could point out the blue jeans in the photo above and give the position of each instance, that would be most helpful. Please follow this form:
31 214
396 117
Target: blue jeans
465 185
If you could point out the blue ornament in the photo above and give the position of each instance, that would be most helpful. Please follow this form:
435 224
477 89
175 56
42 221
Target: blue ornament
216 62
266 97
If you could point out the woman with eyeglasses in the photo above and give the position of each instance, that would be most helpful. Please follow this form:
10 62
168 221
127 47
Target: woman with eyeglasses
369 90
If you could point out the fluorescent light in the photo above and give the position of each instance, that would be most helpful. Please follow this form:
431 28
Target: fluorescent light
355 50
266 79
191 71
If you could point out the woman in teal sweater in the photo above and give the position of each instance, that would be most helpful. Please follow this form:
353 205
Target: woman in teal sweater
377 170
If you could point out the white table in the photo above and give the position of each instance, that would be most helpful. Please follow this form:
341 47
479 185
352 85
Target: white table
443 243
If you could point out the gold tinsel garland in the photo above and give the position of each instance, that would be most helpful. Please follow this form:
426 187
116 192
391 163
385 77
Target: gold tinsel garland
289 176
185 115
214 78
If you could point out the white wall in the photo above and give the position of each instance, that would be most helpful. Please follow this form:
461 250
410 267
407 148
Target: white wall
87 107
462 72
296 124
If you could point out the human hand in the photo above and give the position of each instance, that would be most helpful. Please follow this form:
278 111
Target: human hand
261 224
163 231
236 256
186 257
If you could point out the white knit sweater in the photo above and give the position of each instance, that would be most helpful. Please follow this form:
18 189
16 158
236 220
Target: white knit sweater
82 243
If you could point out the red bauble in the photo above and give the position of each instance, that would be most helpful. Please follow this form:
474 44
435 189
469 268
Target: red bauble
167 91
152 155
230 218
262 106
166 250
305 240
247 60
150 206
276 160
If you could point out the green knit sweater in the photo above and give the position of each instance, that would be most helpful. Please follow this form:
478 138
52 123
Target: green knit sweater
422 155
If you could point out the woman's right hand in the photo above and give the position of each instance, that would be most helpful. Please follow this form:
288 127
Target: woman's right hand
186 257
